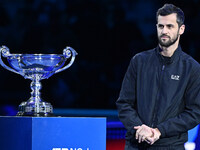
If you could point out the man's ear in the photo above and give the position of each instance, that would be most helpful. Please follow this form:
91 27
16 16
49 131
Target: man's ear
181 29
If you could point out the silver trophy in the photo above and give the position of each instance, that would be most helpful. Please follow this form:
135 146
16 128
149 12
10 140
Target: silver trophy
37 67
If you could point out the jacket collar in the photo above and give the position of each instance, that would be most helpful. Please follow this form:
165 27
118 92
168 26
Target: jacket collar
171 59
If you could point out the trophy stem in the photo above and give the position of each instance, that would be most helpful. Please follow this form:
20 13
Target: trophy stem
35 106
35 94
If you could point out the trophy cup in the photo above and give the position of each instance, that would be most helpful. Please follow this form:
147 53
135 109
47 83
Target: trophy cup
37 67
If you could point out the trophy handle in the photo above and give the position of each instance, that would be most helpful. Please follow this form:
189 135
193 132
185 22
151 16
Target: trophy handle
68 52
5 52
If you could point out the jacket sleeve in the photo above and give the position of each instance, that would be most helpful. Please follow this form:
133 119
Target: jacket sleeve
190 117
126 103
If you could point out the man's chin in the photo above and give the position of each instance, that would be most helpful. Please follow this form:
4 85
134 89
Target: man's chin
164 44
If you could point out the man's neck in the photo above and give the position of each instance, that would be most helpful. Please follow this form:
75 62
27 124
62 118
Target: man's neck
168 51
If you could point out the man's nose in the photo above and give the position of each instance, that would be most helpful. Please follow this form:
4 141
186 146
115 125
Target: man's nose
164 30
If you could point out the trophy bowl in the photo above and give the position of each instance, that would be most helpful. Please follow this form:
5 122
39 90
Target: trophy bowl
36 67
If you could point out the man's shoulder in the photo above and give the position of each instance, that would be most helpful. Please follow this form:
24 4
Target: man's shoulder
147 52
144 54
189 59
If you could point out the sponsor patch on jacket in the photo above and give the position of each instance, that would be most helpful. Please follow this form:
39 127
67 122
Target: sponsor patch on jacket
175 77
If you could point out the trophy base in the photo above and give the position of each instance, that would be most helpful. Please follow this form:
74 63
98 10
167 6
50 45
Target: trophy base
44 109
26 114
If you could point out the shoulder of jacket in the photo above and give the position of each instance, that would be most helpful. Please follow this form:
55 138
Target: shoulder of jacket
194 65
189 59
144 54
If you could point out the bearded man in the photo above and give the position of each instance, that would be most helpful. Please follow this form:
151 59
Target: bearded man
159 99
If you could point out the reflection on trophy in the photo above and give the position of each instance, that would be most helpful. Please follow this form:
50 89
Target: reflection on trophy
37 67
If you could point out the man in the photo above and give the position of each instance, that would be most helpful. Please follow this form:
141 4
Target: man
160 96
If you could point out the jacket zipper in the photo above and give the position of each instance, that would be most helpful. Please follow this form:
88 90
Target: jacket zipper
157 97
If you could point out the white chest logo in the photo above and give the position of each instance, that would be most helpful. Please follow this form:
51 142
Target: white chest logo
175 77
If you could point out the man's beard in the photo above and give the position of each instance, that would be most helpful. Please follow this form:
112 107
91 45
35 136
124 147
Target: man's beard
169 42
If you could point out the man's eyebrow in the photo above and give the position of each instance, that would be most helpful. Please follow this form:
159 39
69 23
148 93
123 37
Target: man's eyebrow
167 25
170 24
159 24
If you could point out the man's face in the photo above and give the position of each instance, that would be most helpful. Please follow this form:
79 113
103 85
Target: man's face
168 30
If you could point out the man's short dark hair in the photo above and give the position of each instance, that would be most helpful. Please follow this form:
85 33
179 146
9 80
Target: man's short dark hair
168 9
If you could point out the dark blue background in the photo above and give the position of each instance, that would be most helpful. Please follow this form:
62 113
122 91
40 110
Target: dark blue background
105 33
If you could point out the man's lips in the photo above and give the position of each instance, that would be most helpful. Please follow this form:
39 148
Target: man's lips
164 36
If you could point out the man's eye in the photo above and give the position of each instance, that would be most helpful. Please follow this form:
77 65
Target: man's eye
160 26
169 26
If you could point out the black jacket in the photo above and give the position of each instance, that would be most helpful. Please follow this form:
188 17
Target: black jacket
162 93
